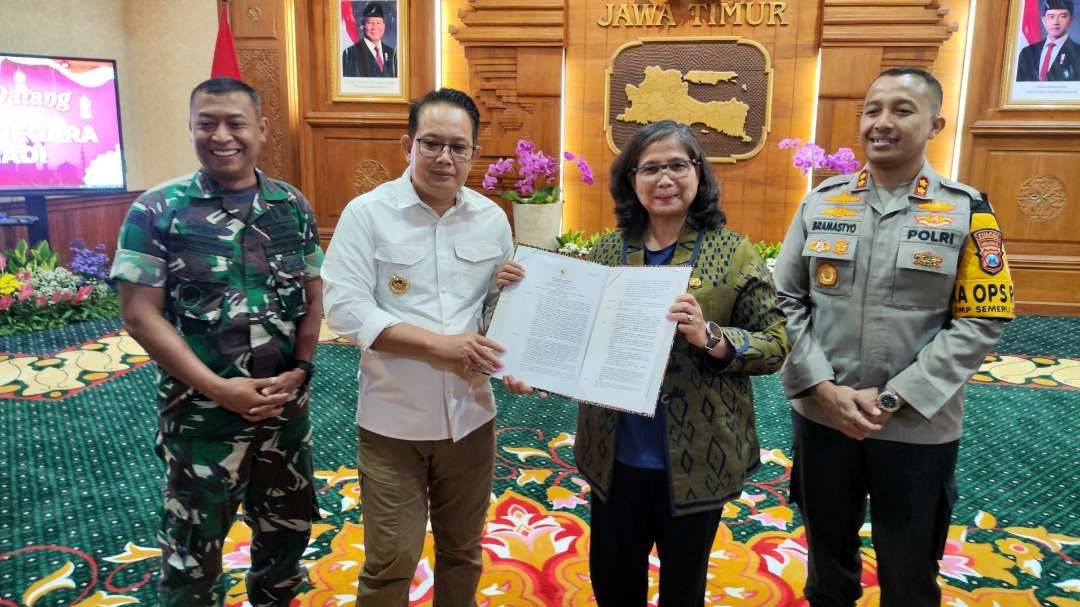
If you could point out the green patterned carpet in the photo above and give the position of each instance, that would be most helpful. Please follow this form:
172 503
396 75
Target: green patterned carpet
81 491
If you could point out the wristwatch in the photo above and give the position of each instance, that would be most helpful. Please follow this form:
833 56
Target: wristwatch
715 336
887 401
307 368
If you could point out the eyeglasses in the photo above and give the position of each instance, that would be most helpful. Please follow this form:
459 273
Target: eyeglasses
676 168
433 148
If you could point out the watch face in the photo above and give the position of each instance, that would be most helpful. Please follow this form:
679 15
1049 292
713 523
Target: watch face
888 401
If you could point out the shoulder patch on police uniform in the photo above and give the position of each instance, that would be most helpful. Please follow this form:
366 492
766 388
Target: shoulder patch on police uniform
832 182
984 287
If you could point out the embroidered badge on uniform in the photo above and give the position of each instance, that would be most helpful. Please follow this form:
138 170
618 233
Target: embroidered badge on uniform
844 198
989 249
927 259
398 284
818 246
839 212
936 207
862 180
933 221
922 184
827 276
840 247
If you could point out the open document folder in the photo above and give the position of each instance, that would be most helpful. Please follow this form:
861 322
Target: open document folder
590 332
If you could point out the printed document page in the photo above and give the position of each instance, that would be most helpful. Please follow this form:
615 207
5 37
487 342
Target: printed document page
588 331
632 337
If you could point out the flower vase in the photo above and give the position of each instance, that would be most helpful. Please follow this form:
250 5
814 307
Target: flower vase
538 225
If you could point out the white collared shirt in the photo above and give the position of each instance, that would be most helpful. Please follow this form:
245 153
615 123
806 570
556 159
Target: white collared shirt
1058 45
374 49
392 259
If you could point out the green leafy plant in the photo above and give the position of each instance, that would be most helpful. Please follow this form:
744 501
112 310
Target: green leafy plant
768 251
36 293
576 244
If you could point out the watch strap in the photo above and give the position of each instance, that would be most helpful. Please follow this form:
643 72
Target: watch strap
307 368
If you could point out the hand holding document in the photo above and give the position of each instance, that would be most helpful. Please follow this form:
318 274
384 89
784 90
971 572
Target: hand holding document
587 331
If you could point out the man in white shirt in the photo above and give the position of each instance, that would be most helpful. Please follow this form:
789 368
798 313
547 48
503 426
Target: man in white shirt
1055 58
370 57
407 275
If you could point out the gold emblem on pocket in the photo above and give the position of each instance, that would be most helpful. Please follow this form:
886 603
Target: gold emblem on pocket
827 275
927 259
819 246
840 247
399 284
695 282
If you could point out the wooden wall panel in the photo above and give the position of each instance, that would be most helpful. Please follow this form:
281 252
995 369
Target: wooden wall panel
1026 161
95 219
346 143
513 56
759 194
264 47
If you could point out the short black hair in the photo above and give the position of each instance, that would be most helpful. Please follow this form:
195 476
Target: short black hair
932 83
224 86
630 215
450 97
1058 5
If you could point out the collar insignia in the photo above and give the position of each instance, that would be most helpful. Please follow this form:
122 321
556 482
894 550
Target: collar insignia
922 184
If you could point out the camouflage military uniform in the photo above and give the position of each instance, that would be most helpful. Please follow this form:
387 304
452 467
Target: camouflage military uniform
233 276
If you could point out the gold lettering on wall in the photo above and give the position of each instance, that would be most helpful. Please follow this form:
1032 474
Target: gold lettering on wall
727 12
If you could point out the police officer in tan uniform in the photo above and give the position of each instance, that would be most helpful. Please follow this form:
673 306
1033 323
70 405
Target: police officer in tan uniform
895 285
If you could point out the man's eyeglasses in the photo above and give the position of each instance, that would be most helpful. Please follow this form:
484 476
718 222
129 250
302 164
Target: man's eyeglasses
677 169
433 148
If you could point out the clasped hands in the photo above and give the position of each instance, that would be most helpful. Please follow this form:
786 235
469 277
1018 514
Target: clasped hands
853 412
257 399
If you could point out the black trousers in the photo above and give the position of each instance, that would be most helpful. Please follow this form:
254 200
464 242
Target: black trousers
636 516
912 491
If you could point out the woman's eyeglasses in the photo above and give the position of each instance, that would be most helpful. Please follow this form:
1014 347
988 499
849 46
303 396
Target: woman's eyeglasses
433 148
677 169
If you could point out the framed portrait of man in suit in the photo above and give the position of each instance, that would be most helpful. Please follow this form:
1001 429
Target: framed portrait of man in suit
370 50
1042 66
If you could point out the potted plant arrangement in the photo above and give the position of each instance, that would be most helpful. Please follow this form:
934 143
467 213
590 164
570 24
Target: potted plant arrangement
537 201
38 293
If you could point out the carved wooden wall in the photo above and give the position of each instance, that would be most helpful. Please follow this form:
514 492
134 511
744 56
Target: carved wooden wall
95 219
860 39
513 49
759 194
1026 161
349 147
263 31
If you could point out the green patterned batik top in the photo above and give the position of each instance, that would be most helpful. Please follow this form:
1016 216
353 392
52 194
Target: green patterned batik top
233 276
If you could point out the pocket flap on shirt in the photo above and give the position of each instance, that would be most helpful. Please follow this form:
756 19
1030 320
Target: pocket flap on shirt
938 259
403 254
477 251
830 246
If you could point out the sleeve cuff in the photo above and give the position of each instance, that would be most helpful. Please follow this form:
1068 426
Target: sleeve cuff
138 268
918 393
370 328
799 377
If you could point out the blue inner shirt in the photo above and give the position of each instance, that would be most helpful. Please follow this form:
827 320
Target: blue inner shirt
641 439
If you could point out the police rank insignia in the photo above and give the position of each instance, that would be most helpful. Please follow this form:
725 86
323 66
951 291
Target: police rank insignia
922 184
840 247
839 212
695 282
398 284
936 207
827 275
933 221
844 198
989 249
861 181
927 259
818 246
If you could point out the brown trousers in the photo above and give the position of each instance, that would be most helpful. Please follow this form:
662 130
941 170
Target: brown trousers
400 482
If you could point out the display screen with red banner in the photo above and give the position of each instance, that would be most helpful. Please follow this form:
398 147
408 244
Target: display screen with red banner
59 125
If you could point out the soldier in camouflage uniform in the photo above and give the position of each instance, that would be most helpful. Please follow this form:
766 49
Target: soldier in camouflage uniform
217 271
